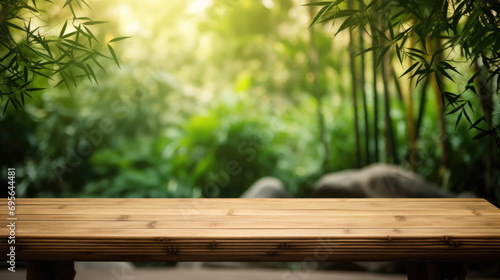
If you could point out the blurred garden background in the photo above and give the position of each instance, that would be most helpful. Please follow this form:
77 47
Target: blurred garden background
204 88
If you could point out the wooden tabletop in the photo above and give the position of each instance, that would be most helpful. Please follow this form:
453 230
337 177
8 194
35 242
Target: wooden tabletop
252 229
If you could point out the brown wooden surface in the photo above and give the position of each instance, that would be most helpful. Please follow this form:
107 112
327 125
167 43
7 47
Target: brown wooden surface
253 229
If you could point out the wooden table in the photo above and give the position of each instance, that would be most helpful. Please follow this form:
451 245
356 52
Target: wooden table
52 233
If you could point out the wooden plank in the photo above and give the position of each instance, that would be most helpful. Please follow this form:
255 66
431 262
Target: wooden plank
339 204
278 223
166 214
254 229
262 233
203 201
230 211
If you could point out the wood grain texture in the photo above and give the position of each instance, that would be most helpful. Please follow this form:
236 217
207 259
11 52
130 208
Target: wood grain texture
253 229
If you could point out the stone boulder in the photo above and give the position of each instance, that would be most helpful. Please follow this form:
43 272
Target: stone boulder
376 181
266 187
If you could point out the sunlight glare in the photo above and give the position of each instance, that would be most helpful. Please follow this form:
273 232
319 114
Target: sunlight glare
198 6
268 3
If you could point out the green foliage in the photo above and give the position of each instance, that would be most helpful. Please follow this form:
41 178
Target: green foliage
193 95
468 28
31 51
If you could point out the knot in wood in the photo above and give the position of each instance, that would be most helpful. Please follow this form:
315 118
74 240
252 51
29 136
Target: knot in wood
123 217
152 225
446 238
283 245
172 250
213 245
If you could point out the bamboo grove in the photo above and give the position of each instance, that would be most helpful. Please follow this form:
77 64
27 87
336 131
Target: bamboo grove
416 45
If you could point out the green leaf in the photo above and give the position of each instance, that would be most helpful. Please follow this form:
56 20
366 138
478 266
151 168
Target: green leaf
366 50
445 9
98 64
63 29
458 120
466 116
14 26
417 50
34 89
68 2
320 13
94 22
411 68
321 3
456 109
382 54
448 66
348 22
5 107
442 71
113 55
483 134
478 121
471 80
119 39
91 71
470 106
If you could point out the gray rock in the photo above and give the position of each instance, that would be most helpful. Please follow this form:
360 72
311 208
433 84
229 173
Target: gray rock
376 181
467 194
266 187
108 266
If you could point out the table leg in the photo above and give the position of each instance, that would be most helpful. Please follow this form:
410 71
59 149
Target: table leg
50 271
446 270
415 271
436 270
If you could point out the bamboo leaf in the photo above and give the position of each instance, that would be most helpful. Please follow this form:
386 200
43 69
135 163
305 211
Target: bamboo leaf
63 29
456 109
91 71
366 50
448 66
112 52
34 89
471 80
94 22
470 106
14 26
411 68
5 107
442 71
458 120
320 3
483 134
382 54
478 121
119 39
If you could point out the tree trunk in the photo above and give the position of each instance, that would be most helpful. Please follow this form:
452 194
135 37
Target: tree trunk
486 101
354 80
390 144
375 95
363 95
411 130
421 108
318 95
443 135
